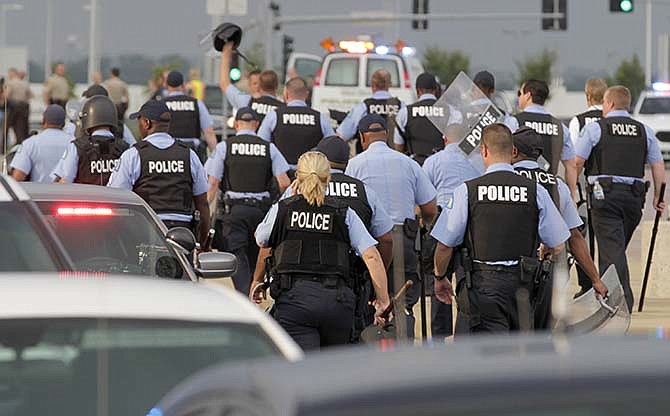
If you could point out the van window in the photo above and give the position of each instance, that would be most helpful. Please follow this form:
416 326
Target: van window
390 65
342 72
307 68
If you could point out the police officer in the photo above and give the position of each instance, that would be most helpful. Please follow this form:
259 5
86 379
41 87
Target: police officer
91 157
500 217
381 102
121 131
400 184
415 133
264 101
614 151
532 96
38 155
295 128
447 170
594 90
527 148
310 235
164 172
190 117
245 164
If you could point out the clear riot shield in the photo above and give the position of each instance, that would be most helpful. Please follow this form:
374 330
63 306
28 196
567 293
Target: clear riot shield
72 109
469 110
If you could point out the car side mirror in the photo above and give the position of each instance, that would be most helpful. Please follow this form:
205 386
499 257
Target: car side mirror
215 265
181 239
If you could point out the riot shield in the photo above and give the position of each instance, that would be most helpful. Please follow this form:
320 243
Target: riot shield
72 109
470 111
592 314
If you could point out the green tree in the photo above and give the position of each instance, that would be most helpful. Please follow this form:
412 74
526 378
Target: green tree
256 54
444 64
536 67
630 74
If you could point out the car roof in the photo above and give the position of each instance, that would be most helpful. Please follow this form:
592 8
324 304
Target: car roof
352 373
10 190
80 193
82 295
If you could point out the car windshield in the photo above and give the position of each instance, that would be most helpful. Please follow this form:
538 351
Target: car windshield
342 72
22 246
83 367
388 64
655 105
307 68
113 239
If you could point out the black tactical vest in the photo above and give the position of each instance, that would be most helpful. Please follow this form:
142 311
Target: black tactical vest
621 150
248 165
421 135
351 192
165 182
385 107
185 122
551 130
263 105
588 117
310 240
98 157
544 178
503 217
298 130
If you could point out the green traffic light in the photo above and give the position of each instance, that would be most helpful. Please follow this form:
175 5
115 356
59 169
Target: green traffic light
235 74
626 5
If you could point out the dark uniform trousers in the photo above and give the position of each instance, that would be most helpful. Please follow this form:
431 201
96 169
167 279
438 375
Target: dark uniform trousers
235 234
17 119
441 317
414 292
614 221
315 315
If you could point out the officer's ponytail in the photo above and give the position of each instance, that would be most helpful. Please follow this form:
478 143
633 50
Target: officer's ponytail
313 175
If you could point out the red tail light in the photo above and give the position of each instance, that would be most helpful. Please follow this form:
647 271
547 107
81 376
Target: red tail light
407 83
317 79
84 211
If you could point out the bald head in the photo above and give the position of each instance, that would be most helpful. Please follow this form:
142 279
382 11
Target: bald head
616 98
296 89
381 80
497 144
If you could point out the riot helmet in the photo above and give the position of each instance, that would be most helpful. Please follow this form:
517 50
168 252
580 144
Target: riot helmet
98 111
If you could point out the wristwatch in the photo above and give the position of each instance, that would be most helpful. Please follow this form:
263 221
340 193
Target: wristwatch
440 278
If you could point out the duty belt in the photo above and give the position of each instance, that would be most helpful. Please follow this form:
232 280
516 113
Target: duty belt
248 201
482 267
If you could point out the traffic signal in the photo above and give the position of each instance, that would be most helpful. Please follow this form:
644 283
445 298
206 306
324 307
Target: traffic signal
287 50
235 72
555 23
274 7
420 7
621 6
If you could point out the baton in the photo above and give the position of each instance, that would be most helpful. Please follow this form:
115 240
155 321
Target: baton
399 294
422 301
647 268
207 245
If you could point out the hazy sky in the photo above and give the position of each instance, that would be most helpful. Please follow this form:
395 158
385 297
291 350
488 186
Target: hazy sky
596 39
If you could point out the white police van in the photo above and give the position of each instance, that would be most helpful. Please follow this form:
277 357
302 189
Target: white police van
653 109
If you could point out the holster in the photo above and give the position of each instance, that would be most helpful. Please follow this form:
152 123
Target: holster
410 227
471 298
529 269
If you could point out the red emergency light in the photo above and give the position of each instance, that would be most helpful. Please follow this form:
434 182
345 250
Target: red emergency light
84 211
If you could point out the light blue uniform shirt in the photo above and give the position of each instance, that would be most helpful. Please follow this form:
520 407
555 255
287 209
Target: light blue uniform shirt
349 126
567 206
590 136
380 222
205 119
128 136
69 163
130 169
38 155
401 118
448 169
568 151
270 122
450 226
359 238
239 99
398 181
215 166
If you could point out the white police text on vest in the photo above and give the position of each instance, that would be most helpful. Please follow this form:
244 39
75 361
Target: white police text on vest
383 109
624 129
299 119
180 105
342 189
589 120
248 149
502 193
539 176
547 129
311 221
427 111
261 108
166 166
104 166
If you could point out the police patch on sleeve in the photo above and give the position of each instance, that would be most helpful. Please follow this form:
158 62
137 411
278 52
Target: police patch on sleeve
64 155
449 203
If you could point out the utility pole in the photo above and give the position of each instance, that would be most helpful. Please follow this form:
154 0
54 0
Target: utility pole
48 41
93 58
647 45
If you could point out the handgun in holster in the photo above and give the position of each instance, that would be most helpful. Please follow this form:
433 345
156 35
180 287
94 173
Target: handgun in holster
472 306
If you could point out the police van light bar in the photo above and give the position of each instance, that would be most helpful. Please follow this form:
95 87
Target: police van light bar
382 50
660 86
356 46
408 51
84 211
328 44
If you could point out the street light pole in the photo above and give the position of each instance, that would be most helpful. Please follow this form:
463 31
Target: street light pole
93 58
647 45
48 42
